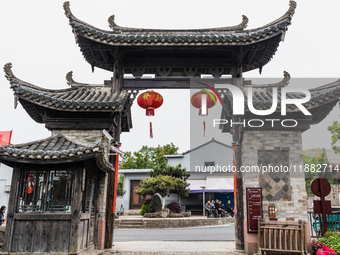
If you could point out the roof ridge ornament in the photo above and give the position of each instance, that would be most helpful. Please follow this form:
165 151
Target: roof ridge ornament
244 22
283 83
73 83
67 9
8 72
69 79
292 7
112 23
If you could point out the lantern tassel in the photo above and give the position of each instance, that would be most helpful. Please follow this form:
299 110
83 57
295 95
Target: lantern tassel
151 134
203 128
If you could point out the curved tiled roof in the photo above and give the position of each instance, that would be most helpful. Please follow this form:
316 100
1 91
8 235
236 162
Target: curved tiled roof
323 98
213 36
176 51
80 97
53 150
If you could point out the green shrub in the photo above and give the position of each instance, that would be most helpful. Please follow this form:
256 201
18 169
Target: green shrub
152 207
332 240
144 209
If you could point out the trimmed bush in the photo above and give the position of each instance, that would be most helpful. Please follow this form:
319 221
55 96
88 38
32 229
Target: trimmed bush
174 207
144 209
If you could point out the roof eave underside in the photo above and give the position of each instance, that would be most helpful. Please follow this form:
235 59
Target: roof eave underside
92 40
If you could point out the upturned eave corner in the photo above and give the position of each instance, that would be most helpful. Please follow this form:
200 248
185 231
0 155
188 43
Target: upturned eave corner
9 73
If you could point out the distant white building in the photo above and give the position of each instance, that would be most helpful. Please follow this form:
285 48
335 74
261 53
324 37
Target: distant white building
208 164
5 184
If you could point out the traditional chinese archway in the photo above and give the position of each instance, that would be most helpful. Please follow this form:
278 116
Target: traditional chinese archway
174 56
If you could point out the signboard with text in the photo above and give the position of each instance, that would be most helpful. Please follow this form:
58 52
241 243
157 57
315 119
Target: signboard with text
254 208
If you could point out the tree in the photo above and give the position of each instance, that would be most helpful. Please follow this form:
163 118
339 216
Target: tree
335 131
164 185
148 157
120 186
174 171
311 173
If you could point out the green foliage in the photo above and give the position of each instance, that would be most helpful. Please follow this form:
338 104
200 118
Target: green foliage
312 175
163 184
144 209
174 171
332 240
120 186
152 207
335 131
148 157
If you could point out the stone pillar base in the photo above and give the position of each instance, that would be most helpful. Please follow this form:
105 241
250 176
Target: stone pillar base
250 240
101 234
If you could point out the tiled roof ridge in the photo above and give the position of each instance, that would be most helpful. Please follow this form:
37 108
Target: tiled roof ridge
159 36
283 83
114 26
72 83
21 151
262 96
15 82
78 97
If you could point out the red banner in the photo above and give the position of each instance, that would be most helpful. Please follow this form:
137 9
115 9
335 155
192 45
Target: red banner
5 137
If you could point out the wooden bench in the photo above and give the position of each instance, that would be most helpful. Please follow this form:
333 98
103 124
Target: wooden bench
281 238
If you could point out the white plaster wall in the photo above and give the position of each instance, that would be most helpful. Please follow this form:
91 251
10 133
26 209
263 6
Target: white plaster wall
5 179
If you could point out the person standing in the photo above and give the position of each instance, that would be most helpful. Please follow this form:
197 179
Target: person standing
208 208
228 209
213 208
2 214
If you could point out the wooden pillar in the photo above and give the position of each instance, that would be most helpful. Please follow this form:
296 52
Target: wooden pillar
12 209
117 84
237 133
76 210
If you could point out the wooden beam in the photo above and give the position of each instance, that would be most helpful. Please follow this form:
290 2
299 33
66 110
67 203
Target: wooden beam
157 83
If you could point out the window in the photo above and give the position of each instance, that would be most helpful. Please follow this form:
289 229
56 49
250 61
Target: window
207 164
43 191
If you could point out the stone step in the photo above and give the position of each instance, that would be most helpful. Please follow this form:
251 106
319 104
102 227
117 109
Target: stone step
131 226
133 221
139 223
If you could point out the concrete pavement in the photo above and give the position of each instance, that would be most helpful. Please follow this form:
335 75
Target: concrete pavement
166 247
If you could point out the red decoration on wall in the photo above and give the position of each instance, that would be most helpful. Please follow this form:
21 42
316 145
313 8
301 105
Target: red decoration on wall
150 101
196 100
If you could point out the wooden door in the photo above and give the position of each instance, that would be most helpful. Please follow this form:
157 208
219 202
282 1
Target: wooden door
136 201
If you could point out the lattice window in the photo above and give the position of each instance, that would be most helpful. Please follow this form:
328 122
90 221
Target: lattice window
46 190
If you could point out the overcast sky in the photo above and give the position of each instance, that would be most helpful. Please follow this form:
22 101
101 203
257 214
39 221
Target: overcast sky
37 39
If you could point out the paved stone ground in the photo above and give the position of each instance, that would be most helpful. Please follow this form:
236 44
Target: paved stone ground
174 253
169 248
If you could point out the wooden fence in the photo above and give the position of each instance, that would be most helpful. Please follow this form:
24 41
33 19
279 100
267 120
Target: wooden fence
282 238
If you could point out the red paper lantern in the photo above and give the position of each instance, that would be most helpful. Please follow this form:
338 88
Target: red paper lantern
196 100
150 100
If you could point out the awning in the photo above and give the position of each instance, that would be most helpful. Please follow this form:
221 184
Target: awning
221 186
194 188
